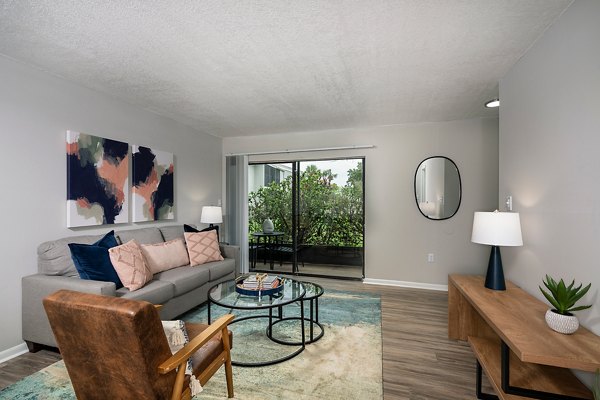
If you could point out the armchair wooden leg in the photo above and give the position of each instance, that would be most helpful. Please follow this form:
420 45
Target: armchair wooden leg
178 387
228 370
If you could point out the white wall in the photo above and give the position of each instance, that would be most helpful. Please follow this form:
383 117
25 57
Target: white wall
398 237
550 156
35 111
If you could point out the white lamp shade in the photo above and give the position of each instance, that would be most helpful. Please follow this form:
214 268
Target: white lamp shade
211 215
497 229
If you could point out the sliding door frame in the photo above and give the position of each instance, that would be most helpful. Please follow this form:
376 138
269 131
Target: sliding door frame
296 210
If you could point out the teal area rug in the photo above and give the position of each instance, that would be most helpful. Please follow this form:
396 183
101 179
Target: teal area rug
346 363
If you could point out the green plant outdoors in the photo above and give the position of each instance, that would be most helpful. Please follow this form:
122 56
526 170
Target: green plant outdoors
330 215
563 297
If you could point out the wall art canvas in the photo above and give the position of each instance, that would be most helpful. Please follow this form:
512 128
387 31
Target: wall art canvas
97 180
153 178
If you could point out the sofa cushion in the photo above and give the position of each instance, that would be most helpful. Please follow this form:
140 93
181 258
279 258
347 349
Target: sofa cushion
54 257
203 247
142 235
155 292
130 264
171 232
184 279
93 262
164 256
219 269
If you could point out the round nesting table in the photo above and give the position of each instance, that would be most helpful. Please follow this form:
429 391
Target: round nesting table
225 295
311 294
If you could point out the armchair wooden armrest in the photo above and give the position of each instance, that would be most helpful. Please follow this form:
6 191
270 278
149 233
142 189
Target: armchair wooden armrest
180 358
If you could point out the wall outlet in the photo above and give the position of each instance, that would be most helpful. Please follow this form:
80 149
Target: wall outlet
430 257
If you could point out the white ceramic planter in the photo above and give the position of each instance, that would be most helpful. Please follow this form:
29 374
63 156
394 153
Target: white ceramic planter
566 324
268 226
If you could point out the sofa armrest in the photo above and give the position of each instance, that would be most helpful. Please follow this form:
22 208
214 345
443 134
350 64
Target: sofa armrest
231 251
36 327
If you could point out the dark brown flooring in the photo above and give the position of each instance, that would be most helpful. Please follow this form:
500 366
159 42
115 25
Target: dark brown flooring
419 361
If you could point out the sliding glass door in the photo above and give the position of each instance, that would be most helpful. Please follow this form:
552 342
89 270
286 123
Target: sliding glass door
307 217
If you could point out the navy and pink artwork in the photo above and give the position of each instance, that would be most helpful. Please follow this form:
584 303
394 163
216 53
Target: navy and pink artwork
152 188
97 180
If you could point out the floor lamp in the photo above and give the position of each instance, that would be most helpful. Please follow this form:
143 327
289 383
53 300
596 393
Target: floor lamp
496 229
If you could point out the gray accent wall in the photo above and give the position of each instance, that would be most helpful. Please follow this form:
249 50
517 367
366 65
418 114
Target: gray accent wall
35 111
398 238
550 156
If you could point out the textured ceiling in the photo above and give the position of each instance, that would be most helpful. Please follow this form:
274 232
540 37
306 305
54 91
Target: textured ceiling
234 68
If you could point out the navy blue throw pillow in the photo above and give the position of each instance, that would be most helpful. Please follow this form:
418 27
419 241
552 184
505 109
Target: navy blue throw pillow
188 228
191 229
93 262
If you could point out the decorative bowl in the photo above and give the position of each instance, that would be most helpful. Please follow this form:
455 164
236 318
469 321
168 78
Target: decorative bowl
239 287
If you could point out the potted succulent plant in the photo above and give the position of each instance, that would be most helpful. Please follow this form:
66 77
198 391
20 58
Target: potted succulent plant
563 299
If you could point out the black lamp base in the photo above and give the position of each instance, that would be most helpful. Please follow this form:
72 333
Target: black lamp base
494 278
216 229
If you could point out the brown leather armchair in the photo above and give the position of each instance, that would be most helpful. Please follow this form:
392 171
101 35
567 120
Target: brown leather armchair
116 348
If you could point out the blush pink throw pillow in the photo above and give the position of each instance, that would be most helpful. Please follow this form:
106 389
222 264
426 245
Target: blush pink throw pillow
128 261
203 247
163 256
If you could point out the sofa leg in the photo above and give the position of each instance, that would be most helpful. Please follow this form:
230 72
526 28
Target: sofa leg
33 347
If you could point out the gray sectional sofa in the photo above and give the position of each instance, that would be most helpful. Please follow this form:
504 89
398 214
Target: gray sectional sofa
177 290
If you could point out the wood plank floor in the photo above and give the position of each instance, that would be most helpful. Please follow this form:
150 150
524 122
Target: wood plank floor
419 361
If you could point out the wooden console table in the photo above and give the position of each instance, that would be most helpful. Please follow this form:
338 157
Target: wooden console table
521 356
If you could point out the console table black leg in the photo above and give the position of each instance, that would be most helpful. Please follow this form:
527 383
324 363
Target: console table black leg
505 365
519 391
480 395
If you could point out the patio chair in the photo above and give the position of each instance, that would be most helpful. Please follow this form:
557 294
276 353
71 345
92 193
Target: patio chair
116 348
285 249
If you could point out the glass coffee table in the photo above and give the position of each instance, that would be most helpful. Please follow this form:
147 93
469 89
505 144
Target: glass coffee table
225 295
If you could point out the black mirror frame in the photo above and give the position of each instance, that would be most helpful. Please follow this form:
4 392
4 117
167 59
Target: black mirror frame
459 189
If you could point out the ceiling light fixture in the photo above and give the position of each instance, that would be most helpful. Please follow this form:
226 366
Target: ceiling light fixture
493 103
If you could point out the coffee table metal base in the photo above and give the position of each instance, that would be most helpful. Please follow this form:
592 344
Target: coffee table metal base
313 298
269 333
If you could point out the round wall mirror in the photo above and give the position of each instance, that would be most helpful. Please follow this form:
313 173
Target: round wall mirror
438 189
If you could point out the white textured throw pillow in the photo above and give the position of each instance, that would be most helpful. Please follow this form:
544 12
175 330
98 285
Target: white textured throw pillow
177 337
164 256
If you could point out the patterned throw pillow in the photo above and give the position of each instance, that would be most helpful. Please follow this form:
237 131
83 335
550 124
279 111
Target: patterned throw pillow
177 337
130 265
203 247
163 256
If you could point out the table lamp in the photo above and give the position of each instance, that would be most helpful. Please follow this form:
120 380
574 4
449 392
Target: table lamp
212 215
496 229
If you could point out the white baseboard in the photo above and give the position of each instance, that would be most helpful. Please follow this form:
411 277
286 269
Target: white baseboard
13 352
414 285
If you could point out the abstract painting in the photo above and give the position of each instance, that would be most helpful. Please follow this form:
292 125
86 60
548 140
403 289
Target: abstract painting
97 180
152 188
